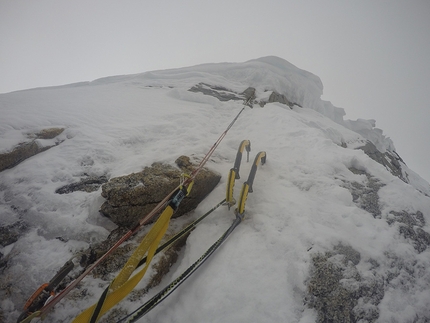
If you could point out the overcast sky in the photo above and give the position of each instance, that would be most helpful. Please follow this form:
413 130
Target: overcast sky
373 56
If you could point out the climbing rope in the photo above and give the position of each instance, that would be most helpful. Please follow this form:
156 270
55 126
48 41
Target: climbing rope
39 305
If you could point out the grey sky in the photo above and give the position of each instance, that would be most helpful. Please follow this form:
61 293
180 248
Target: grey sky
373 56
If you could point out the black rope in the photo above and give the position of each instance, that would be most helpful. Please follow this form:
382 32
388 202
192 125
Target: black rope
99 306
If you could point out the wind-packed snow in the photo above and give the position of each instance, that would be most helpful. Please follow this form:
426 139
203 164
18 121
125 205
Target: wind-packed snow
119 125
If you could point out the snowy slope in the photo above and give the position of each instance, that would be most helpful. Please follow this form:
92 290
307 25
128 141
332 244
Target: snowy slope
302 202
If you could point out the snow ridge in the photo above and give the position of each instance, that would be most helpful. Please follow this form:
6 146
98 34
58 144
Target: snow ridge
269 73
318 202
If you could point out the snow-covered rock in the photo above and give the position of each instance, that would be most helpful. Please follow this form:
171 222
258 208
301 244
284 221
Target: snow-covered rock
330 234
129 198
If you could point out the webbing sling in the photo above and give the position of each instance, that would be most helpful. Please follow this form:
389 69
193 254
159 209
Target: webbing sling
122 285
183 232
120 288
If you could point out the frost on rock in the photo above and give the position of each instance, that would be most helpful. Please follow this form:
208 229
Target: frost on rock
30 148
390 160
87 184
411 228
338 298
366 196
219 92
248 95
10 233
337 290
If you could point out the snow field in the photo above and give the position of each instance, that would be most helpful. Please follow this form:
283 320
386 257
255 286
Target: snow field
116 126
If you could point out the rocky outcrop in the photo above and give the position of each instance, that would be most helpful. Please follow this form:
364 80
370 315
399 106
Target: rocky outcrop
390 160
115 261
338 292
410 224
365 196
88 184
28 149
10 233
248 96
411 228
219 92
277 97
342 293
49 133
130 197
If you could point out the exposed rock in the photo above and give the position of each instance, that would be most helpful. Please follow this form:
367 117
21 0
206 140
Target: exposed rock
157 181
405 275
248 96
366 293
2 262
28 149
89 184
276 97
411 228
391 161
366 196
249 93
349 253
219 92
411 224
113 263
116 260
49 133
167 260
18 154
10 233
129 198
338 292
